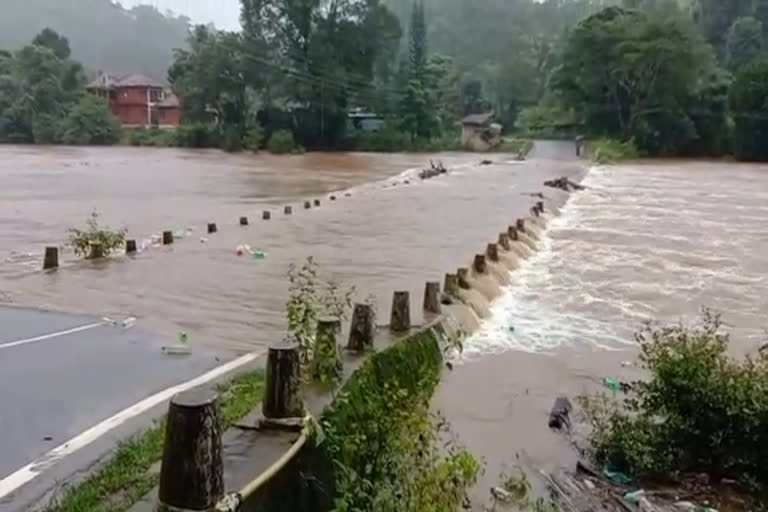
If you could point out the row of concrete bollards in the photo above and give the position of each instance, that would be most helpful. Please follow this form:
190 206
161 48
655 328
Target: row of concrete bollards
51 255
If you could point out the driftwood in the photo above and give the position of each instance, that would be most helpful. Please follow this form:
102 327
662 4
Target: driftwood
434 170
563 183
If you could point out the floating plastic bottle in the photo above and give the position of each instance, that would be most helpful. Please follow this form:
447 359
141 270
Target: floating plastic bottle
129 322
611 384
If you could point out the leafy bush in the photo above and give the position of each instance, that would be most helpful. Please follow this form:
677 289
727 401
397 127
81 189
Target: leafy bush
605 151
254 138
231 139
701 411
89 122
282 142
83 240
196 135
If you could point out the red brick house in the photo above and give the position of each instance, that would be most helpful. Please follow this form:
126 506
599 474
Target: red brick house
137 100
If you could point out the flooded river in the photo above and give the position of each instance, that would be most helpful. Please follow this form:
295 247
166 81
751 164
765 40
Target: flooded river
644 241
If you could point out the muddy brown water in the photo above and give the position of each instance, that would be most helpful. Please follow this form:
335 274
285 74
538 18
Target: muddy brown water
644 241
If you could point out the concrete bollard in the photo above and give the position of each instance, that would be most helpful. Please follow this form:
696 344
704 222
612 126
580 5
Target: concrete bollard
192 471
317 202
51 258
243 221
432 297
520 225
167 237
283 393
463 275
492 252
479 264
212 228
451 285
95 251
363 328
266 215
504 241
512 232
307 205
130 246
288 210
333 198
400 320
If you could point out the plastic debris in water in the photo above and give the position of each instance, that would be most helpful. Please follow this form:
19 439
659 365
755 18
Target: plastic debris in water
634 497
258 255
179 233
176 350
203 240
182 337
627 364
617 477
128 322
611 384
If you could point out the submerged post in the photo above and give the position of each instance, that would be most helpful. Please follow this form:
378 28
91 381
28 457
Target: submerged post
333 198
432 297
51 258
362 328
212 228
288 210
504 241
463 274
479 264
540 206
493 252
512 232
451 285
307 205
130 246
266 215
167 237
520 224
243 221
192 471
317 202
400 320
282 396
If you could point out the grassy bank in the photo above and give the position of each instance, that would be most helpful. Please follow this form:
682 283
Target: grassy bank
126 477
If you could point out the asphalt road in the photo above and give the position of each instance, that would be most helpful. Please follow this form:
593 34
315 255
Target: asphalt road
62 374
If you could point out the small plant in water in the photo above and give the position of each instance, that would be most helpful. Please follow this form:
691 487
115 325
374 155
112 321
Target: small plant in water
95 240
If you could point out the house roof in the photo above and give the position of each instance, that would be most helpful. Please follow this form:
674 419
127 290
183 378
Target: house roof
103 81
170 101
137 80
477 119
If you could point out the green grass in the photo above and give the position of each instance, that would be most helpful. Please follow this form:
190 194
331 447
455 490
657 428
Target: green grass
125 478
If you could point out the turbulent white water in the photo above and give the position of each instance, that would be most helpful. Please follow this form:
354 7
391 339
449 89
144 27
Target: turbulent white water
643 242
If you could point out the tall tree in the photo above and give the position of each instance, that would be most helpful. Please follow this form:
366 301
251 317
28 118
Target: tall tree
417 48
749 108
745 42
717 16
51 39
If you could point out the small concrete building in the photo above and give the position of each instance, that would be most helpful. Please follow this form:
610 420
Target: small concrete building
478 133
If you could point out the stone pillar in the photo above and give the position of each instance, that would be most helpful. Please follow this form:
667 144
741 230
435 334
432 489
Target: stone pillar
288 210
212 228
463 275
51 258
333 198
307 205
363 328
400 320
243 221
192 471
167 237
432 297
451 285
512 232
479 264
282 395
520 224
130 246
266 215
493 252
504 241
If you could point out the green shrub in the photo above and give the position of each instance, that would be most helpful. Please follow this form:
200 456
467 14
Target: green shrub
281 142
82 240
89 122
231 139
606 151
700 411
254 138
196 135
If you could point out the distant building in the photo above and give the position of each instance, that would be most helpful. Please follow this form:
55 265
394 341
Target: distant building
361 120
478 133
137 100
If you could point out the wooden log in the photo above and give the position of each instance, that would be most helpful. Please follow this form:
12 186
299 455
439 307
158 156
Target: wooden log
504 241
51 258
95 250
266 215
512 232
400 320
167 237
493 252
288 210
192 471
520 224
479 264
212 228
317 202
463 276
451 285
363 328
327 350
130 246
282 396
432 297
307 205
243 221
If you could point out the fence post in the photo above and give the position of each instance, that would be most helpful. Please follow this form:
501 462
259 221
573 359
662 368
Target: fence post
451 285
479 264
520 224
432 297
266 215
493 252
282 396
512 232
212 228
243 221
130 246
288 210
362 329
504 241
463 275
167 237
51 258
400 319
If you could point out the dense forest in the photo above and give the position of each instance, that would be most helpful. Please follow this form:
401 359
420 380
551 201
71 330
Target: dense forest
669 77
103 35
